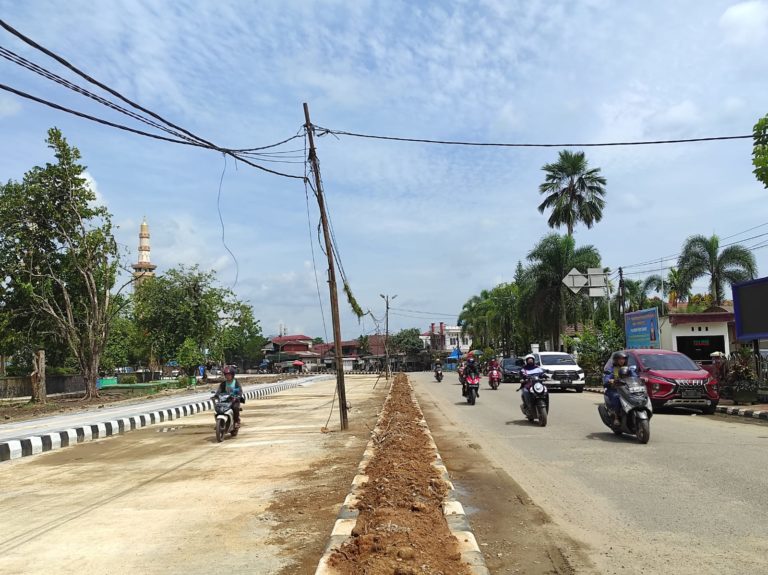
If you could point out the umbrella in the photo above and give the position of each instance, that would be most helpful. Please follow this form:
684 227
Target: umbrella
298 363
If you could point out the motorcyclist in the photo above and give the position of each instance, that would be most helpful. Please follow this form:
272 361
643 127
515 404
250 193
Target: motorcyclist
529 371
494 364
470 370
611 376
231 386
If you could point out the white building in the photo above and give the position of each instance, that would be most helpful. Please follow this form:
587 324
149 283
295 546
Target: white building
697 335
441 337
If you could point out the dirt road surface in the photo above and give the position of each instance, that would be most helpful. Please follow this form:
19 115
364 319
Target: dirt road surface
169 499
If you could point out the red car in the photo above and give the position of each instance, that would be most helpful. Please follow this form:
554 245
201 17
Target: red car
673 379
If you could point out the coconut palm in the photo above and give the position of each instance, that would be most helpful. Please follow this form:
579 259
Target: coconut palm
550 261
676 286
701 256
574 192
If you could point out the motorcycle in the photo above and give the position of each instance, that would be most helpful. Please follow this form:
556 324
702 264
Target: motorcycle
494 378
439 374
225 415
472 388
636 409
535 405
462 381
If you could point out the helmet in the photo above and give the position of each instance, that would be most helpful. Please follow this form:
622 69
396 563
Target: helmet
529 356
624 371
471 359
619 355
228 369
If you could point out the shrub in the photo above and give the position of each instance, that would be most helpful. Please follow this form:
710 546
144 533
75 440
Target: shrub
128 380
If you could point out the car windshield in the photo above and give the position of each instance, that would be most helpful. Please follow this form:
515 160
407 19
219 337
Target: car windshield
668 362
507 363
560 359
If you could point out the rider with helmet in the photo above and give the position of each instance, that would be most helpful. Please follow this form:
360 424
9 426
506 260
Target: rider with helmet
529 370
469 370
611 376
231 386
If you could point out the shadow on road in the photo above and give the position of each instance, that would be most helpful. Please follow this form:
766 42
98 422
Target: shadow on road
611 437
523 422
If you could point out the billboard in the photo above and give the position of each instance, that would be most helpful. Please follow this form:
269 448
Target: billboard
641 329
750 309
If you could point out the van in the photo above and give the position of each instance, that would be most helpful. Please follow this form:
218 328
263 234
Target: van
562 370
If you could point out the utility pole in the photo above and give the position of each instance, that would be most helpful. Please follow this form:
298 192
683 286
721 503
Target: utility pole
621 292
386 336
331 273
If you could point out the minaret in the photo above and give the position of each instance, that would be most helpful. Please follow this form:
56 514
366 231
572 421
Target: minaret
144 267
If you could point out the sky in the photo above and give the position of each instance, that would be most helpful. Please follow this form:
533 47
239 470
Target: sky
430 224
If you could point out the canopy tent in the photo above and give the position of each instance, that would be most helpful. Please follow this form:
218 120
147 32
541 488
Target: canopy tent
455 355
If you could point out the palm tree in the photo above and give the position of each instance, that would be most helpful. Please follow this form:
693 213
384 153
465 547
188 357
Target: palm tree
676 286
574 192
550 261
701 256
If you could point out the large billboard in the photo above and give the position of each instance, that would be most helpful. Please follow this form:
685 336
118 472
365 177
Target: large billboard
750 309
642 329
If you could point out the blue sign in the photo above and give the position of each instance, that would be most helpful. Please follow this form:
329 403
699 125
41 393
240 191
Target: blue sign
642 329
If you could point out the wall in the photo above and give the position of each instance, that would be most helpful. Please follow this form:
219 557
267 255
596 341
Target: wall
22 386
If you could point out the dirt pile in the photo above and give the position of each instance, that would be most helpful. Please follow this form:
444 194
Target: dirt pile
401 529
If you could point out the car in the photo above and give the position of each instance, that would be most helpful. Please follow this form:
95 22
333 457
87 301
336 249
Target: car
562 370
510 369
673 379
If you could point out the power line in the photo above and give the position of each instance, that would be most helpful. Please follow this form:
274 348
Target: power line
526 145
434 313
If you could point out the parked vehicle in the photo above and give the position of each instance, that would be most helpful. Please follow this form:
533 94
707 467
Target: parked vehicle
535 404
674 380
636 410
494 378
472 388
510 369
562 370
439 374
225 417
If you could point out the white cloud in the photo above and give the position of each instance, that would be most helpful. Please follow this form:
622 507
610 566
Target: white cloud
746 23
9 106
90 181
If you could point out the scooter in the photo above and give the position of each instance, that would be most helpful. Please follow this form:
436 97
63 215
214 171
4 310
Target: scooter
472 388
494 378
636 409
535 405
225 415
439 374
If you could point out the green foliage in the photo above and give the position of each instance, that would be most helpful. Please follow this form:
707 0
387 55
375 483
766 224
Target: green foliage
407 341
356 309
490 318
318 340
364 345
701 256
189 355
760 150
594 347
741 373
127 380
59 260
574 192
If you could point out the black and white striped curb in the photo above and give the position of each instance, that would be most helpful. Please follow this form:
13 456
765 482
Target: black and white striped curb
452 508
15 448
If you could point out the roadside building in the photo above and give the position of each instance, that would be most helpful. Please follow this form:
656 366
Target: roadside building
698 335
283 350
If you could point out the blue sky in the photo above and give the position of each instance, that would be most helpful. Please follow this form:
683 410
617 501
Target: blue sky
432 224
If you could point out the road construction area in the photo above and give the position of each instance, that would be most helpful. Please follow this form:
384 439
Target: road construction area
169 499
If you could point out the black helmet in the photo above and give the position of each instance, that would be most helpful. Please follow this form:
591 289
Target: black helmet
624 371
619 355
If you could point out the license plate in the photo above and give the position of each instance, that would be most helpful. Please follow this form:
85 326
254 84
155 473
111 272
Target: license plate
693 394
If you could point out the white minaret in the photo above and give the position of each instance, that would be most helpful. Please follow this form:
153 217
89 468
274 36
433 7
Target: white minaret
144 267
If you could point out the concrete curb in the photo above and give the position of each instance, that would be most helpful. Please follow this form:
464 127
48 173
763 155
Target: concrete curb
724 409
452 508
35 444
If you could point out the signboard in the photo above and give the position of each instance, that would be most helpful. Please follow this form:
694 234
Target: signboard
749 309
642 329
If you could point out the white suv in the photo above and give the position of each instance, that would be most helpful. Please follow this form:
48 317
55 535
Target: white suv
562 369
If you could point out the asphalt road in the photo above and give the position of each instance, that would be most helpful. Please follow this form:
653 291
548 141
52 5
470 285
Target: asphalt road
168 499
53 423
694 500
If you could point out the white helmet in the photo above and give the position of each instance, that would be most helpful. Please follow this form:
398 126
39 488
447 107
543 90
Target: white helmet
530 355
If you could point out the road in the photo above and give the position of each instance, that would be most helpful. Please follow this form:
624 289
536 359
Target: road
53 423
691 501
169 499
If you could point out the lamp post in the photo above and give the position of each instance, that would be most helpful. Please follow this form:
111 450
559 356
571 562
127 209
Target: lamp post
386 298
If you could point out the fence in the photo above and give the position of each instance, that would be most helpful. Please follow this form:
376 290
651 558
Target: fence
22 386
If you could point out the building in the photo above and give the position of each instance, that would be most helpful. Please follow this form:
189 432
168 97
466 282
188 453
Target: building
697 335
352 355
281 351
443 337
143 268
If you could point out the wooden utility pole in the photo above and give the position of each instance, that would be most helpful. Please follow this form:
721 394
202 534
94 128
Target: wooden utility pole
386 334
621 295
331 273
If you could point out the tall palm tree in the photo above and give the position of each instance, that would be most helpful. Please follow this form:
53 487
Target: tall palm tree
677 287
573 191
550 261
701 256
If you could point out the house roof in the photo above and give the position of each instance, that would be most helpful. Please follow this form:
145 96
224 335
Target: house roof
704 317
281 339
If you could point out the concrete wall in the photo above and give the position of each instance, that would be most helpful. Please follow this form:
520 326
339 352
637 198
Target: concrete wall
22 386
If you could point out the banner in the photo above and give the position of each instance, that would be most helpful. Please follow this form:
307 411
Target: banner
642 329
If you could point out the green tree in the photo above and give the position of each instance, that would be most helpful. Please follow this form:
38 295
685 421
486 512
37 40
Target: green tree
317 340
489 318
595 346
546 297
238 335
574 192
760 150
701 256
364 345
59 258
189 356
407 341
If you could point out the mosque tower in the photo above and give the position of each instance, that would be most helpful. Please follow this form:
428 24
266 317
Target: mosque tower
144 267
